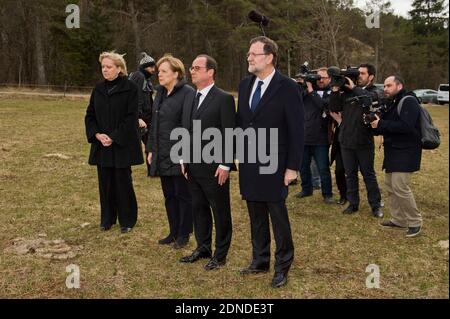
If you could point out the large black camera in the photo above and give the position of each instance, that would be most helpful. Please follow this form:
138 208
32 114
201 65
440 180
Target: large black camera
378 106
372 104
306 74
338 76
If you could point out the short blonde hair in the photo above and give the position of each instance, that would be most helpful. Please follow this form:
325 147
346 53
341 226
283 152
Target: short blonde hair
175 65
118 60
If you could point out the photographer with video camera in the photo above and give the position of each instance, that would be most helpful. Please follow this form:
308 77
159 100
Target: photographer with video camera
315 91
400 127
356 137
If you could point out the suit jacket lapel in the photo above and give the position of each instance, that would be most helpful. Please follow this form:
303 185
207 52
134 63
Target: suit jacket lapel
187 111
270 91
205 103
246 98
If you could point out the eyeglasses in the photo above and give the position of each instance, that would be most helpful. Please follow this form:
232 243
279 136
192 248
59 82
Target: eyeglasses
251 54
196 68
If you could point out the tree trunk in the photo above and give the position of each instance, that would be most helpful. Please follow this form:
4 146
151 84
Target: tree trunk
39 54
84 12
377 61
135 26
20 70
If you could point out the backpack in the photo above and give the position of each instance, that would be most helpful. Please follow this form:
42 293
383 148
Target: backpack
430 133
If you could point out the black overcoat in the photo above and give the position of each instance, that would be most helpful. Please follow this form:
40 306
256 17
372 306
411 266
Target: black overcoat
116 115
280 108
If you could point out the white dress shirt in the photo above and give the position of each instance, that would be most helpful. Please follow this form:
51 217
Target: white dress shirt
204 93
264 86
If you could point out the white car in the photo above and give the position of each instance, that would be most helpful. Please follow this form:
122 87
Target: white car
427 95
443 94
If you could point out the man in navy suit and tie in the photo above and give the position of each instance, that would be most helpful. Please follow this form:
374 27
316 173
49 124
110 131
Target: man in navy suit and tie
269 100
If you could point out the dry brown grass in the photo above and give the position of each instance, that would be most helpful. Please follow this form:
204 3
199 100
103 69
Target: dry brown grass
55 196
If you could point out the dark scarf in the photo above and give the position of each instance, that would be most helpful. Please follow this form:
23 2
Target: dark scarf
147 75
111 85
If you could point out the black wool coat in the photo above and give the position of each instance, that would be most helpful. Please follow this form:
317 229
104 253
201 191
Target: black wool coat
316 124
145 96
281 108
167 115
116 115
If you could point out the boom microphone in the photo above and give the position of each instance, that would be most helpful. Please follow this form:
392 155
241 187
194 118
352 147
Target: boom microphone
257 17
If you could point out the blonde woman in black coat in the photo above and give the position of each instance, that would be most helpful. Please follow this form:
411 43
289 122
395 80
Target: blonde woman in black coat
172 97
111 128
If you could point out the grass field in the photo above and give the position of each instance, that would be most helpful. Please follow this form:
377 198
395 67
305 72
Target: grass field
56 196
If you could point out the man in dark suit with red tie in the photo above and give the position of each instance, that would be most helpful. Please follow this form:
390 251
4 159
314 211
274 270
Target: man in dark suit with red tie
213 108
269 100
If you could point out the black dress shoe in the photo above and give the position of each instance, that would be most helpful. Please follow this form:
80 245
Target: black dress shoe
166 241
342 201
302 195
213 263
253 270
350 209
124 230
105 228
196 255
181 242
377 212
279 280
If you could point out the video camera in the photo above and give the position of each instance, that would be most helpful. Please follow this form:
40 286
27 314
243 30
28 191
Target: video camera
306 74
338 76
372 104
377 107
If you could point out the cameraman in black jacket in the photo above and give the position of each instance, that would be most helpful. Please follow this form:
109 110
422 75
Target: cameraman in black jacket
402 154
317 120
356 138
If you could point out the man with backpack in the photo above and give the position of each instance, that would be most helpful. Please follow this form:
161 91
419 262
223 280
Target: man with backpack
401 129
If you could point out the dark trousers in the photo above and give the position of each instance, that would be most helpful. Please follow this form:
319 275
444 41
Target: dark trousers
117 197
178 205
208 195
315 174
362 159
259 221
339 173
320 155
144 139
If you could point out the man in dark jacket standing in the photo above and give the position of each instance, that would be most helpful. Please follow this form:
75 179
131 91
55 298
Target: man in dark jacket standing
402 154
142 78
316 137
269 101
356 139
209 182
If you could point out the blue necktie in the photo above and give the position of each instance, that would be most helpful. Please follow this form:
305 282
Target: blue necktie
256 97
